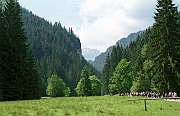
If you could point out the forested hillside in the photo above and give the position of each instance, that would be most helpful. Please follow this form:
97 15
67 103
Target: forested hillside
36 54
100 59
139 73
57 50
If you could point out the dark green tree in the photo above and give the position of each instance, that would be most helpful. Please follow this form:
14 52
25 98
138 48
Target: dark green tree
1 40
143 81
15 52
56 50
116 56
165 45
32 82
105 77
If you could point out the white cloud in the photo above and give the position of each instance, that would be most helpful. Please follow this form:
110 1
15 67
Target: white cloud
114 19
98 23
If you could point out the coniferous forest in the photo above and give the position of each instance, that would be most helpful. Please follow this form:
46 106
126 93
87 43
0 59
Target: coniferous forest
37 56
33 49
153 59
57 50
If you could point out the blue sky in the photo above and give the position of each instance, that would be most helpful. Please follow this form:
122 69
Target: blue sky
98 23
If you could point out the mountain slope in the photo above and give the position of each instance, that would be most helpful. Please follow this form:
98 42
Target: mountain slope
100 60
57 50
90 54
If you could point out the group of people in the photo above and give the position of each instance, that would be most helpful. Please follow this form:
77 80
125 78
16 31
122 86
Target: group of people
150 94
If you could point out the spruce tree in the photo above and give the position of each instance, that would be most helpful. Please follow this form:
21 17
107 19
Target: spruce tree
165 45
105 76
116 56
32 80
1 38
15 52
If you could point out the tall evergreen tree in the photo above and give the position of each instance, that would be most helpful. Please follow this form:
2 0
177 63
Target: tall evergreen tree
165 45
32 80
1 38
16 66
105 77
116 56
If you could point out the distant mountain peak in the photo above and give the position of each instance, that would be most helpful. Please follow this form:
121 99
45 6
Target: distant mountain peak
90 54
100 59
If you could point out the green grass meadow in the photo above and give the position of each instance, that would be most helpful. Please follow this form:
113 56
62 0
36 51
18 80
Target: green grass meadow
89 106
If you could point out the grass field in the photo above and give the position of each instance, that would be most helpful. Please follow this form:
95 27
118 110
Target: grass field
89 106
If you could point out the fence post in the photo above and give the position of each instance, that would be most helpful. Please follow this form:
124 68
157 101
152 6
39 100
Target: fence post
145 105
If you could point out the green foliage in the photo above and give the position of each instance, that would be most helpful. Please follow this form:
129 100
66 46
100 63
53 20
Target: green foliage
105 77
144 50
121 80
100 60
166 47
116 56
84 87
79 90
17 80
96 85
14 52
154 56
56 87
1 35
56 49
109 67
32 80
143 76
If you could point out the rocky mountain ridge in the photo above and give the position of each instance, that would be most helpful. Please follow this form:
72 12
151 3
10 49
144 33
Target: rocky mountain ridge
100 59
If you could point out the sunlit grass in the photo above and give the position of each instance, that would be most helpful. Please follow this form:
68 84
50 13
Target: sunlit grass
89 106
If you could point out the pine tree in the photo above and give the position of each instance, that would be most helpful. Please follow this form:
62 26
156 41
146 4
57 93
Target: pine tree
105 76
116 56
165 45
32 80
1 38
14 56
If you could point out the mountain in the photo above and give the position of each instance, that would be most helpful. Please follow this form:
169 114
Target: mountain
90 54
56 49
100 60
126 41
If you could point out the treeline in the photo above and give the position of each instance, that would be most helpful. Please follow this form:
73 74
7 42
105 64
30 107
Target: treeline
19 77
32 51
57 50
151 63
